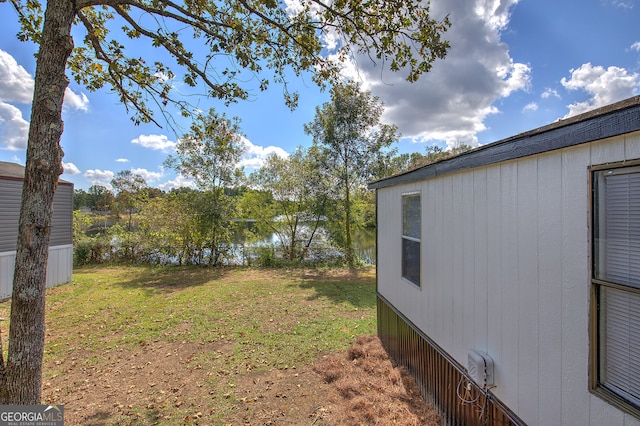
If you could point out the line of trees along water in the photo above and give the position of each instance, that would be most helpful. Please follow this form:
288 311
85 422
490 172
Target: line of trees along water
181 227
312 206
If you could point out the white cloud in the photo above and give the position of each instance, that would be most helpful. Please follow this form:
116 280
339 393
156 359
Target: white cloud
331 40
295 7
122 160
452 101
254 155
531 106
514 77
156 142
622 4
14 130
16 84
549 92
636 46
147 175
100 177
70 169
75 101
604 86
494 12
178 182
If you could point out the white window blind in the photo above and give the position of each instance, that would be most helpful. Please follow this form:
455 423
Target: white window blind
619 233
620 345
617 261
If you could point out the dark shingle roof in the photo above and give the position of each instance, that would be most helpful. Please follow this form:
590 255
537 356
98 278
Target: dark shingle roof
611 120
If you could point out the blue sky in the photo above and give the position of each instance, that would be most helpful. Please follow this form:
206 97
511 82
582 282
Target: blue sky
513 66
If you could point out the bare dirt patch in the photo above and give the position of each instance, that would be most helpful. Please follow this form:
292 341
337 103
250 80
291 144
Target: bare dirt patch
134 387
359 387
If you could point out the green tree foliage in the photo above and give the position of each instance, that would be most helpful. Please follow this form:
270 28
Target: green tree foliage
100 197
210 154
290 200
214 213
404 162
167 224
131 191
91 242
263 38
350 140
81 222
81 199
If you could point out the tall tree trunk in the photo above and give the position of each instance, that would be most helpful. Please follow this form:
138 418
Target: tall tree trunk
347 208
347 204
22 381
313 234
292 243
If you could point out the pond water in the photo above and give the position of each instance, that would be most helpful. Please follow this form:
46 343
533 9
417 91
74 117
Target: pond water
364 244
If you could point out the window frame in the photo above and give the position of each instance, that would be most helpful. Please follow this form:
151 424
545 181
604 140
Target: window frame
411 240
599 285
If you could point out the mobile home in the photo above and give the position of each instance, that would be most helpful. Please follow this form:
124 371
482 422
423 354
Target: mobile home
508 277
60 263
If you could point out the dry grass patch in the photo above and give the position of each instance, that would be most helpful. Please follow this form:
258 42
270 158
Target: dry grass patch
371 390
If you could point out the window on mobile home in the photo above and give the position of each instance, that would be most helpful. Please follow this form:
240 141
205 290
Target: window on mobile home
616 280
411 237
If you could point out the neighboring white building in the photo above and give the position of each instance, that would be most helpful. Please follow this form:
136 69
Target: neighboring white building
527 251
60 262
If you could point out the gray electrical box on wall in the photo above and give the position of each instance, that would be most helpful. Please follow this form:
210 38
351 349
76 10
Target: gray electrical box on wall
480 368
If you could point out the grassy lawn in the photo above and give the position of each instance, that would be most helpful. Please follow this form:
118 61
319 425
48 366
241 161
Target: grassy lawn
112 324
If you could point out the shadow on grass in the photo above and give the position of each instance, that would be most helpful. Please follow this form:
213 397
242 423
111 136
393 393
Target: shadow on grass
353 286
98 418
168 279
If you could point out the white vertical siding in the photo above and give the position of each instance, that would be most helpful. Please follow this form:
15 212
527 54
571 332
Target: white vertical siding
575 285
494 260
7 261
509 321
59 268
506 269
59 265
632 146
466 264
527 270
480 255
549 288
448 269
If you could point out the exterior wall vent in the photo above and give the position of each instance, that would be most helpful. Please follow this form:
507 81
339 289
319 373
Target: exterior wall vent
480 368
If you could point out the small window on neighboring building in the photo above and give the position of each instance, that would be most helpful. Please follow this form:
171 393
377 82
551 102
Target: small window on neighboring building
411 237
616 281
